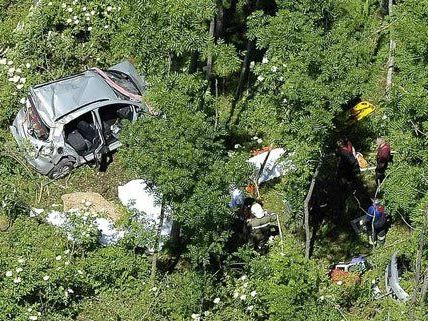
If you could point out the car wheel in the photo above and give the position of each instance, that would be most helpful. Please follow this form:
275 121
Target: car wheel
63 168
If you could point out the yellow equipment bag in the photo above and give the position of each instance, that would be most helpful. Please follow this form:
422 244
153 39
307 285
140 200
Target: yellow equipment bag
361 161
361 111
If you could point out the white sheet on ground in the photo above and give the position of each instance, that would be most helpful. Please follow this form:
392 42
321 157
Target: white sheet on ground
137 196
273 168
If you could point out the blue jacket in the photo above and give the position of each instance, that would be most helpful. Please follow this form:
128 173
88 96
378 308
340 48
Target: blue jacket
378 213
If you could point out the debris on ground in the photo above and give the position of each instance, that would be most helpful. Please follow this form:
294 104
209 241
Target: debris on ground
392 280
348 272
140 198
273 166
98 204
109 235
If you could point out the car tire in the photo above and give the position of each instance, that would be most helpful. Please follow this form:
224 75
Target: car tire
62 169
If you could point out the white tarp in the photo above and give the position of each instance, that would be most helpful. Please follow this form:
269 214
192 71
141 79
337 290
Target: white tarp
137 196
273 168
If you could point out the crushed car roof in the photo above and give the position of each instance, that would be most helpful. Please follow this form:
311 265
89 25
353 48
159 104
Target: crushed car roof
59 98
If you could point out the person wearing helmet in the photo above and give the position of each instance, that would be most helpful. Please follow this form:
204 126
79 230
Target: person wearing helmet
376 222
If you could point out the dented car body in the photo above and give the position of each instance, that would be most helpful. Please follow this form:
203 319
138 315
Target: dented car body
74 120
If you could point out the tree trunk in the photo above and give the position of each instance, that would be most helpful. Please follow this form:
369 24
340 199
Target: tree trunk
424 288
210 56
306 208
418 266
156 246
391 59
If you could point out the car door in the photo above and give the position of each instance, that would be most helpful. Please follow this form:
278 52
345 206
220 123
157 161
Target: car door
83 135
111 119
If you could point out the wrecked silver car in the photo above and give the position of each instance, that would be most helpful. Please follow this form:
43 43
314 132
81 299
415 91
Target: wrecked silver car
74 120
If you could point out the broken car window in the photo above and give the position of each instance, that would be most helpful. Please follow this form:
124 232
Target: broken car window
36 127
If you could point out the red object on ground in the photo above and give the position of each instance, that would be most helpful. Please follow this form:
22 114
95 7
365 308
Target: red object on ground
256 152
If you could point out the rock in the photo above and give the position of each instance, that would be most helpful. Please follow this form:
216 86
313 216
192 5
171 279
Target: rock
95 202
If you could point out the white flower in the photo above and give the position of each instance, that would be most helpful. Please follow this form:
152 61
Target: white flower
253 293
249 308
154 289
235 295
255 138
10 62
22 101
9 273
67 251
14 79
259 140
64 6
18 269
3 61
11 70
18 70
106 27
58 258
84 8
19 86
50 3
384 117
216 300
196 316
80 272
28 65
252 64
69 20
30 309
339 282
67 263
260 78
76 22
109 8
46 277
70 290
206 313
265 60
274 68
75 17
32 317
21 261
243 297
70 9
281 78
87 19
118 8
245 285
92 12
22 80
243 278
17 280
237 146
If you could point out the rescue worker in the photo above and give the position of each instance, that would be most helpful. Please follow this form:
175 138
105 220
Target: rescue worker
347 164
258 224
383 157
376 223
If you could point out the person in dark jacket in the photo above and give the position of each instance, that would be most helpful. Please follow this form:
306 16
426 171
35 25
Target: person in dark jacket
347 164
383 157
